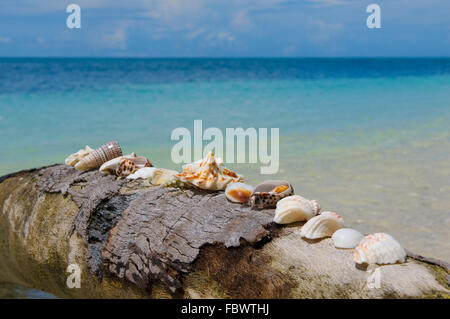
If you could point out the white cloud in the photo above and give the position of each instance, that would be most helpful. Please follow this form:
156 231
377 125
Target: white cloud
195 33
241 19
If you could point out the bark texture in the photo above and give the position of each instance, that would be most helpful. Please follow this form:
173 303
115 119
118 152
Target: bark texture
134 240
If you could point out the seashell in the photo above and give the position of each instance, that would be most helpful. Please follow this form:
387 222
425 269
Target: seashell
144 173
379 248
101 155
323 225
71 160
111 166
268 193
208 173
238 192
346 238
125 168
162 175
295 208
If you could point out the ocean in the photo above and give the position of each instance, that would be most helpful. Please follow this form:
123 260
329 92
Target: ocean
368 138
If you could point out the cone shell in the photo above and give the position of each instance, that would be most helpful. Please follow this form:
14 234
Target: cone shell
208 174
101 155
73 159
379 248
346 238
323 225
268 193
238 192
295 208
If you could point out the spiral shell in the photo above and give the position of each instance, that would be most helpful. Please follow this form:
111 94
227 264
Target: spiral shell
379 248
125 168
295 208
323 225
112 166
268 193
101 155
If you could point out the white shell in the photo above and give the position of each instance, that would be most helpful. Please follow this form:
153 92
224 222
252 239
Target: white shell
111 166
161 176
379 248
238 192
208 174
73 159
295 208
323 225
346 238
144 173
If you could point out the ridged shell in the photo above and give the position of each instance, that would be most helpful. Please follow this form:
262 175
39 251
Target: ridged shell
346 238
295 208
73 159
238 192
268 193
208 174
323 225
101 155
379 248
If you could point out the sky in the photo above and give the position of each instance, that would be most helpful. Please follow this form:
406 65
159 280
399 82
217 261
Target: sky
224 28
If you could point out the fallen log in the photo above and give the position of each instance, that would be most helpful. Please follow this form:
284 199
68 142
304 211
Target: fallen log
134 240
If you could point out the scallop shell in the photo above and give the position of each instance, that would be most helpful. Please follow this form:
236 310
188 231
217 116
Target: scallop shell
295 208
238 192
101 155
323 225
111 166
208 174
379 248
346 238
268 193
73 159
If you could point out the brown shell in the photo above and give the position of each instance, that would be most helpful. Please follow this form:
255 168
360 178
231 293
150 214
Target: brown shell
268 193
125 168
101 155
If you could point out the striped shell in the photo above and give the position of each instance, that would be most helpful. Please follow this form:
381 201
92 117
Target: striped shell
379 248
346 238
295 208
208 174
268 193
323 225
238 192
101 155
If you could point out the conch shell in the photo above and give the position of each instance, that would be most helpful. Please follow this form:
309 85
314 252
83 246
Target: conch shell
208 174
379 248
295 208
238 192
323 225
71 160
101 155
125 165
268 193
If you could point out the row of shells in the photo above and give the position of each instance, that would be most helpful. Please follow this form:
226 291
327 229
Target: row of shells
210 174
377 248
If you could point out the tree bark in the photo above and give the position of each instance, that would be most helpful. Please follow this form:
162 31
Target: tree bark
135 240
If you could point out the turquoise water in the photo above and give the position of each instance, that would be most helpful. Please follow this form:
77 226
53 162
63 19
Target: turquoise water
368 138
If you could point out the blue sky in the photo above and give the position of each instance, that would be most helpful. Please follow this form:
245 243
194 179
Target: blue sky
224 28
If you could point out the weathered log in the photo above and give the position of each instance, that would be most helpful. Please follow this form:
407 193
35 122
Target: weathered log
132 239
